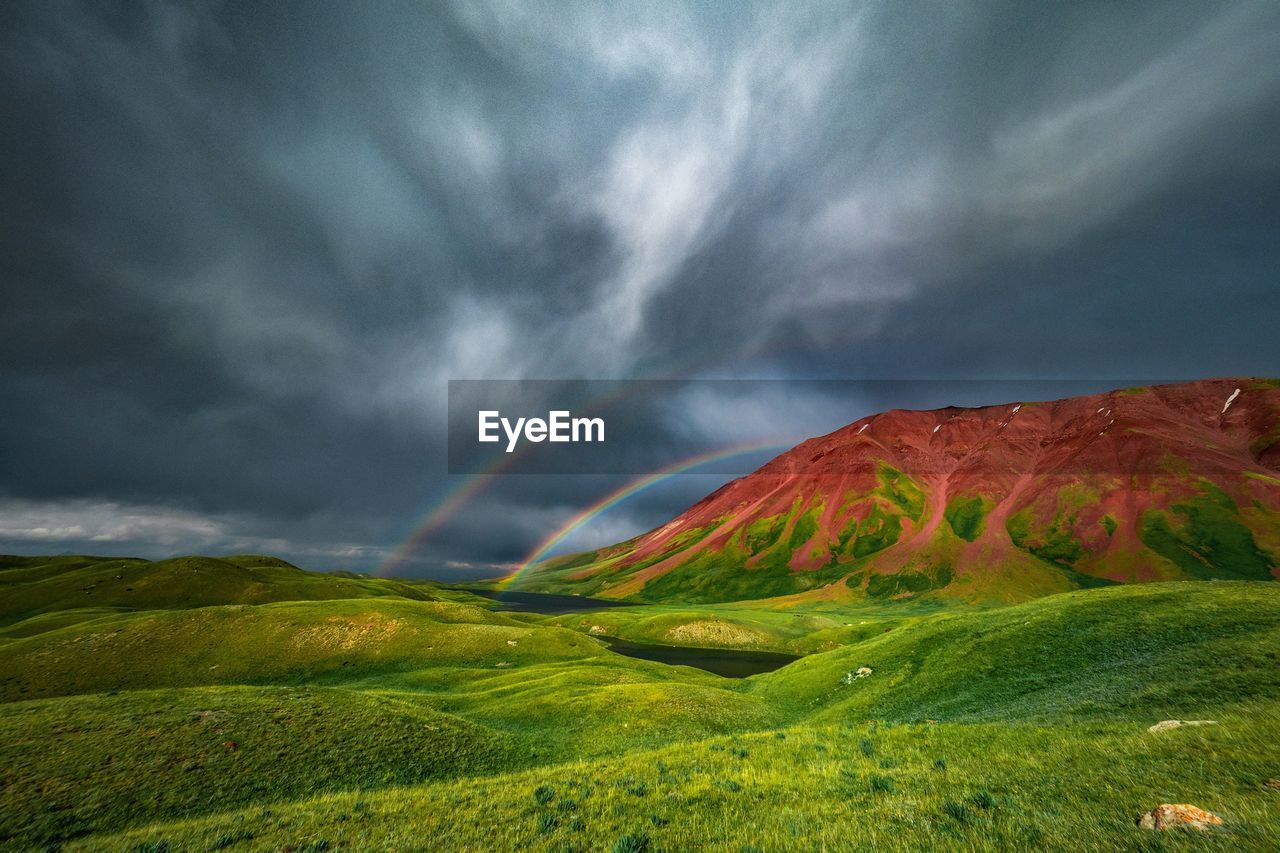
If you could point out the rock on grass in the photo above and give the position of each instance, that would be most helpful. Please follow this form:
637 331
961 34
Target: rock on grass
1168 815
1165 725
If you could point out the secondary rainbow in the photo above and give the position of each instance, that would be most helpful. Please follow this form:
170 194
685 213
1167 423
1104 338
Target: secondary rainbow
460 495
633 488
456 498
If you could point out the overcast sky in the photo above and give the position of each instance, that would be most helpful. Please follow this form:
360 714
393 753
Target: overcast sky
246 245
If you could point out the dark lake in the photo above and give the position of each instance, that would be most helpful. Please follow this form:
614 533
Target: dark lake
730 663
542 602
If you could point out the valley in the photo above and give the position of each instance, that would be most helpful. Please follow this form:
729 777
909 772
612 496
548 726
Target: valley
415 715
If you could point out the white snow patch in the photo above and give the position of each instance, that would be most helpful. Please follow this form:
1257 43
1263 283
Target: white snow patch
1015 409
1230 400
862 429
938 427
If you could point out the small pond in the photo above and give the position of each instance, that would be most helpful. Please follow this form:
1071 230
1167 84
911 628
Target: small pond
730 663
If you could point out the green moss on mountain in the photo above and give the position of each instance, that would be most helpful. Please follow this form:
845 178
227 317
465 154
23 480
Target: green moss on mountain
1053 543
967 516
1205 537
908 583
806 525
733 574
876 532
901 490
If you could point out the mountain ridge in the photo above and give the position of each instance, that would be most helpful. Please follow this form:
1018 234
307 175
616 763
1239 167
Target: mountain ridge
989 504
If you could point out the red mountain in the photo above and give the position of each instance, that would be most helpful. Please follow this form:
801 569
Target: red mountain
999 503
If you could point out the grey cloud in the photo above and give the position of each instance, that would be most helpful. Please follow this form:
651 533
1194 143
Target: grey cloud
249 244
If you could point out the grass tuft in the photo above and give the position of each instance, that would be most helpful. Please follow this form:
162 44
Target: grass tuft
984 800
636 842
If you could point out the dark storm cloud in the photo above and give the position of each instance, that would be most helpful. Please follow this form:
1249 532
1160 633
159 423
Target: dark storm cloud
246 245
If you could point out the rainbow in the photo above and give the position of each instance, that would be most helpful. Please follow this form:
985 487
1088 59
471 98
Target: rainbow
461 494
633 488
453 500
470 485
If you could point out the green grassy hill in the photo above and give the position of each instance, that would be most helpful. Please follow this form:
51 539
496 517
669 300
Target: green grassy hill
395 718
833 787
280 643
81 764
765 625
1158 649
34 585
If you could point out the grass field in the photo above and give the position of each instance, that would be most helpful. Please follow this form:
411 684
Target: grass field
246 704
855 786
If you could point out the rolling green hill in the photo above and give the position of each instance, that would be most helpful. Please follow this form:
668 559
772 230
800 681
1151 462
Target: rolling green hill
859 786
395 718
35 585
1159 649
82 764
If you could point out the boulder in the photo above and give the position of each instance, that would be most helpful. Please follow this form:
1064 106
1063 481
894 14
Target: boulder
1165 725
1168 815
860 672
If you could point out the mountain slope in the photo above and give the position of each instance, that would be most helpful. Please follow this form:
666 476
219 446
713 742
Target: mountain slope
1162 649
993 504
59 585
